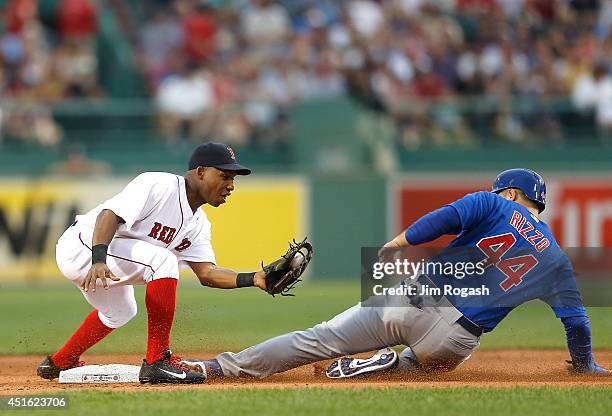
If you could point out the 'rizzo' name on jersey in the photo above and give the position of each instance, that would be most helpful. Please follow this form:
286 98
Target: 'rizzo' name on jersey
520 223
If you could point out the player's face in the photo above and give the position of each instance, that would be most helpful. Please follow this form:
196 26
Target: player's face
218 186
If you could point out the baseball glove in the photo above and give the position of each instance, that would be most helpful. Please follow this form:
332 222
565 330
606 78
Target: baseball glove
283 274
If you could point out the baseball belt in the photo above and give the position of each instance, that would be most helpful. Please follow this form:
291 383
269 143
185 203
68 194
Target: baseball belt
463 321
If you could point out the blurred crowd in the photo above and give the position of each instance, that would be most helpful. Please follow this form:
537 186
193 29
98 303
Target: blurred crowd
445 71
44 62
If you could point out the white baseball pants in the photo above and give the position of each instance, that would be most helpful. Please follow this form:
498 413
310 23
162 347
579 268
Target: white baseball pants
134 262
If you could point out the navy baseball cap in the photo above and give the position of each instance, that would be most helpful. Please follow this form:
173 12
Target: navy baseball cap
217 155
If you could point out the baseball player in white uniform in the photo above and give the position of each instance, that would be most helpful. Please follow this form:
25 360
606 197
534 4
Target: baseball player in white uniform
142 236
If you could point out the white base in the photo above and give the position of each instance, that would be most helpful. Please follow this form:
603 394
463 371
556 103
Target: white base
104 374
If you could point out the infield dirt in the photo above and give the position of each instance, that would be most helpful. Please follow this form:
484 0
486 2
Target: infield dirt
502 368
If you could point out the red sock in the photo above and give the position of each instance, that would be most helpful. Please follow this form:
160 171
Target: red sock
91 331
160 300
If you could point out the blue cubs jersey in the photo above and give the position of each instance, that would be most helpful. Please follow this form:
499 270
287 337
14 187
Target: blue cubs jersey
520 261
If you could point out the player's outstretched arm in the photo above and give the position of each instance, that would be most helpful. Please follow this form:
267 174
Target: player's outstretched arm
210 275
278 277
442 221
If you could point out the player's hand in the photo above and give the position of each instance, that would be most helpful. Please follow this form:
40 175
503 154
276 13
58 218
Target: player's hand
97 271
596 369
389 251
259 280
591 368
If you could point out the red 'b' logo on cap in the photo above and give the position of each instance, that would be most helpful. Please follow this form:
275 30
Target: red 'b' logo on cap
231 152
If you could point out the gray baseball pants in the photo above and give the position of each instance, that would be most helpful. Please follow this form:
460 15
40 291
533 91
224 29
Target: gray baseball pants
434 339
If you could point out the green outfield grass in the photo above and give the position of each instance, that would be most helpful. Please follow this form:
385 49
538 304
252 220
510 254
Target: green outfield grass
319 401
38 319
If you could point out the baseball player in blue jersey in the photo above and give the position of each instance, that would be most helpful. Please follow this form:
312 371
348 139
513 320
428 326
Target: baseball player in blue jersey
521 262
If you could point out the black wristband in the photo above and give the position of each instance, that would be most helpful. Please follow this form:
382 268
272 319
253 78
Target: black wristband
98 253
245 279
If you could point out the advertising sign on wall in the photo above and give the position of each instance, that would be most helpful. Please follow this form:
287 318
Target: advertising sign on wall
579 211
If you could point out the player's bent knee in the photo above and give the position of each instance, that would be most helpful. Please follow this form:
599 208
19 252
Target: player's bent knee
119 316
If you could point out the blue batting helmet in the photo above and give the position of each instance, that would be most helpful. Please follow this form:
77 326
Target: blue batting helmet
528 181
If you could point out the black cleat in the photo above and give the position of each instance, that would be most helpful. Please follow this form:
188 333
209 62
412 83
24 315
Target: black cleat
169 369
48 370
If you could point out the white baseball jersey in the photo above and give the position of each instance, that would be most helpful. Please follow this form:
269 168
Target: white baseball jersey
155 209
